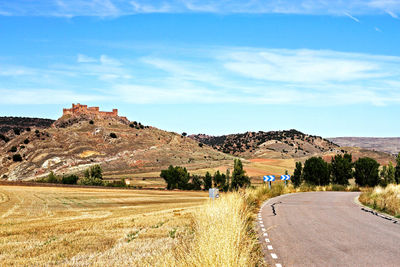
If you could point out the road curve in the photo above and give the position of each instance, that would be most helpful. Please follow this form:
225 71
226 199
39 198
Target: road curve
326 229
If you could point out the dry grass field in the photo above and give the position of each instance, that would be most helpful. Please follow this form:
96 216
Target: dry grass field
85 226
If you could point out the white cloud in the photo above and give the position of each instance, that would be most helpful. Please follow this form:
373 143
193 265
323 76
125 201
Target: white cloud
222 75
85 59
352 17
115 8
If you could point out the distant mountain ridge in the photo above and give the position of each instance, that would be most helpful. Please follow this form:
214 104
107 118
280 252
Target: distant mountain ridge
389 145
10 123
272 144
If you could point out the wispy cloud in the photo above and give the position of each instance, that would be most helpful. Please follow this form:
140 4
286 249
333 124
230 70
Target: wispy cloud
352 17
115 8
222 75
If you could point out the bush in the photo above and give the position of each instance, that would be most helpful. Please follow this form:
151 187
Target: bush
17 131
69 179
13 149
113 135
17 157
120 183
26 141
4 138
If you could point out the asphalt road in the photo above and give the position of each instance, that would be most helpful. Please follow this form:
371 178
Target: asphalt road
326 229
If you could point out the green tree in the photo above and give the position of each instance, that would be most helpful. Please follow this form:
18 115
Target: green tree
296 177
219 180
207 181
92 176
316 171
397 175
342 169
196 182
366 172
176 177
239 177
388 174
52 178
69 179
228 182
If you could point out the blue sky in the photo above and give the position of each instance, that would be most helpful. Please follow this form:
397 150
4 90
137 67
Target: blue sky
330 68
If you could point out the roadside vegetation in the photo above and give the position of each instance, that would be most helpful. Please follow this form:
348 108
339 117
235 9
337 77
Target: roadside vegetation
385 199
179 178
367 172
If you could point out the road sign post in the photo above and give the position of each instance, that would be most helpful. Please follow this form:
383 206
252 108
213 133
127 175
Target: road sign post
213 193
269 179
285 178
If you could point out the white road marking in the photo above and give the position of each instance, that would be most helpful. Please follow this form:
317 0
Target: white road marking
267 240
270 247
262 225
273 255
278 265
265 234
263 229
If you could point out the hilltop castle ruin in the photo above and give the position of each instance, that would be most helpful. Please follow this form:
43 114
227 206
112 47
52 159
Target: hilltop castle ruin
84 109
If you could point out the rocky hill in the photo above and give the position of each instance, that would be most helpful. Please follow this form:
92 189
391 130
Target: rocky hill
75 142
389 145
22 123
273 144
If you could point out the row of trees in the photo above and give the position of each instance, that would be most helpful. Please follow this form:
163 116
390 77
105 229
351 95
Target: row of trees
179 178
365 171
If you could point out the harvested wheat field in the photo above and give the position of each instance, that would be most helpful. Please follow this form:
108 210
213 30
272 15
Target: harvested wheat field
89 226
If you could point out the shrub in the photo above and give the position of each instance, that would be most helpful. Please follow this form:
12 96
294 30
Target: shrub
26 141
200 144
37 132
4 138
17 157
91 122
17 131
28 129
13 149
69 179
113 135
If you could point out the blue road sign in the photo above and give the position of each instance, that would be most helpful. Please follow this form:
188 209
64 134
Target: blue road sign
285 177
269 178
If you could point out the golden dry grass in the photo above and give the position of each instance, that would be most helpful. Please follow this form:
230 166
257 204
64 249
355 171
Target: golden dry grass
81 226
384 199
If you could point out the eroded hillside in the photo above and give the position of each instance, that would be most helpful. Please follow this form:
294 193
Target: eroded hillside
73 143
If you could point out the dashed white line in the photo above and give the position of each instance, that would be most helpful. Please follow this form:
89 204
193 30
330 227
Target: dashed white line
273 255
265 234
278 265
262 225
263 229
267 240
270 247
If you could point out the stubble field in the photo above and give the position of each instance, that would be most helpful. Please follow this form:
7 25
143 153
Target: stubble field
88 226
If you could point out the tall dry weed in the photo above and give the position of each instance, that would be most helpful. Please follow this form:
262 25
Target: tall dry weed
222 236
386 199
